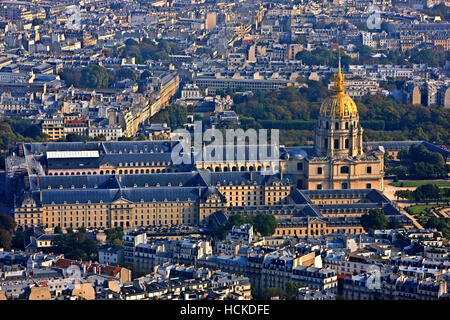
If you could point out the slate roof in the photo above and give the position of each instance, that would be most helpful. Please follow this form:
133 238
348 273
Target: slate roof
73 163
91 181
115 159
135 195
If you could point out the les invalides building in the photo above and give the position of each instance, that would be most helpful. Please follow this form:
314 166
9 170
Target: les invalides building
338 160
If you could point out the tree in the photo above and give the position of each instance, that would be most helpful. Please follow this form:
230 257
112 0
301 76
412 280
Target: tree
404 194
18 240
428 56
7 223
322 56
115 236
426 191
82 229
94 76
441 224
58 230
265 224
292 289
394 223
146 74
36 22
5 239
374 220
117 243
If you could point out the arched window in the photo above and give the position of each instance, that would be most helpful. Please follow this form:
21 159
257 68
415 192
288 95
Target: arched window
347 143
344 185
336 126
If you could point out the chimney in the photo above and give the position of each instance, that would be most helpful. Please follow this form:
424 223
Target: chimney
37 180
31 146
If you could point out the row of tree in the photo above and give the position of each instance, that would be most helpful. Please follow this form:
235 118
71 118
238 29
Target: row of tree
418 162
98 77
424 192
382 117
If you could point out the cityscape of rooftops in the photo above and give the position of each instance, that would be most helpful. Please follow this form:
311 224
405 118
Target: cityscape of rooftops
232 152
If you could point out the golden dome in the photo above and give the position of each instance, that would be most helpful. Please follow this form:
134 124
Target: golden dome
339 105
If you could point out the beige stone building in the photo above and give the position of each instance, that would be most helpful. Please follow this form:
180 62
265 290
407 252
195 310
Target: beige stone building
338 160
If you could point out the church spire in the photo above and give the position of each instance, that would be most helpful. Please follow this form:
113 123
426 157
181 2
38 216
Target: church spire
339 85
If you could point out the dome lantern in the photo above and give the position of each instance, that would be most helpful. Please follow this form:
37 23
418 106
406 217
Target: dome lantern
339 104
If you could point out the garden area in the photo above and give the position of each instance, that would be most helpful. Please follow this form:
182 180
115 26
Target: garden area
432 216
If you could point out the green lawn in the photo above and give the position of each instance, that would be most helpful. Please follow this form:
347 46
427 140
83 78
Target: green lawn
419 210
418 183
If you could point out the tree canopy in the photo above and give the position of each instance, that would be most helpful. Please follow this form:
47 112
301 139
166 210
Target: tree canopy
298 108
433 58
7 226
421 163
76 246
323 57
374 220
175 116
